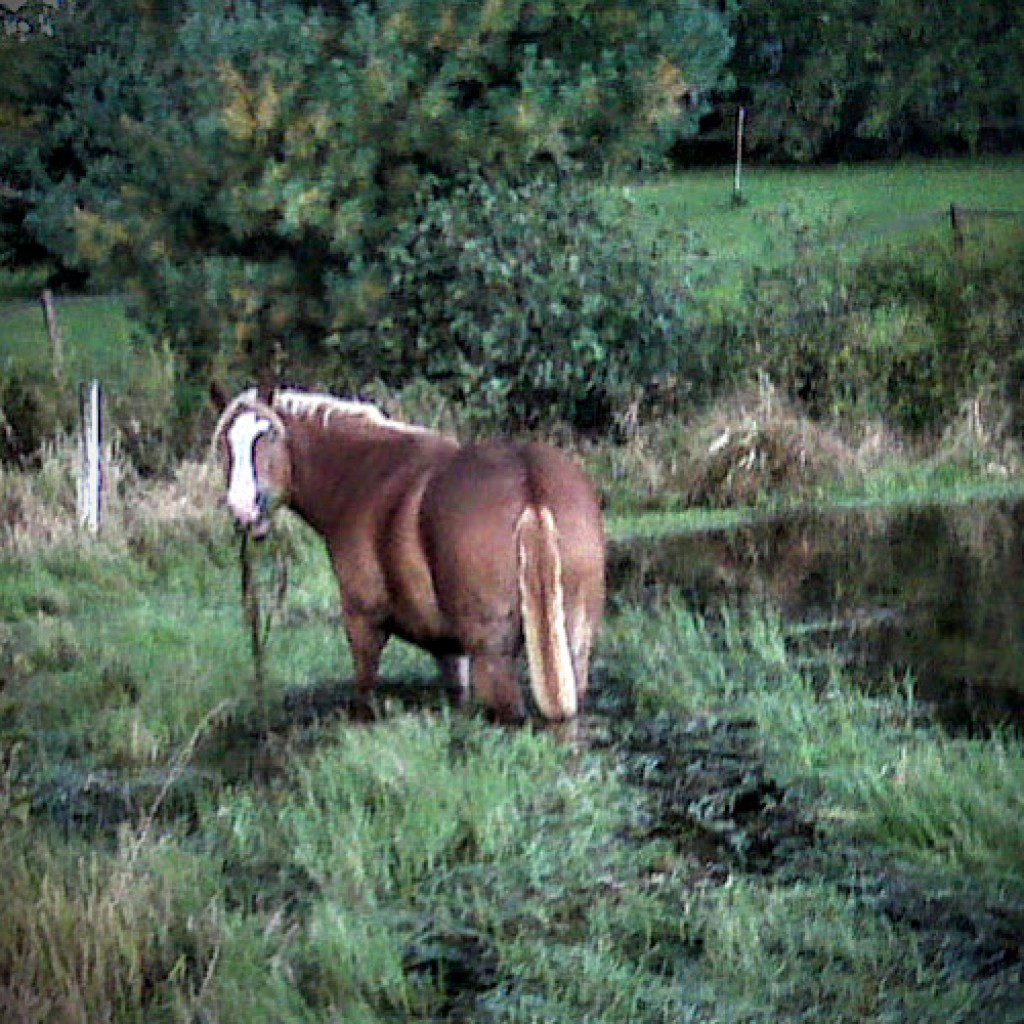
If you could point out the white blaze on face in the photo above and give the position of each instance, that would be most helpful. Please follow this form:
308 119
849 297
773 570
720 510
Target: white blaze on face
242 493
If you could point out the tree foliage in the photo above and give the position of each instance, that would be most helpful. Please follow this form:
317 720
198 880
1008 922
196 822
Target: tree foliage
882 77
243 165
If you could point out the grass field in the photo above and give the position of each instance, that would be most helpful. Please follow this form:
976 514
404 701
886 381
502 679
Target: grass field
96 332
736 834
866 203
729 839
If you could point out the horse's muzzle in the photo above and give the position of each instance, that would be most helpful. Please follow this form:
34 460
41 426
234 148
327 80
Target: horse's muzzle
254 519
259 529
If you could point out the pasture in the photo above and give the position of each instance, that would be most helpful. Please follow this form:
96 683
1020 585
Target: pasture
863 204
96 332
729 838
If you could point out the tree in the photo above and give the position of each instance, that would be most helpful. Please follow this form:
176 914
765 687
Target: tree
842 77
50 148
244 170
795 63
944 82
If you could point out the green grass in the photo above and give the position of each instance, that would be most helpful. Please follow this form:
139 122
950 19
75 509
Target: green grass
955 803
166 859
893 487
96 331
23 283
781 950
869 201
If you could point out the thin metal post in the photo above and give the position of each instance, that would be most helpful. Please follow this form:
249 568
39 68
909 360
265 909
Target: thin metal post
737 179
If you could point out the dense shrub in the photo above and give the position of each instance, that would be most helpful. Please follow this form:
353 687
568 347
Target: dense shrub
143 413
901 334
969 302
525 304
33 409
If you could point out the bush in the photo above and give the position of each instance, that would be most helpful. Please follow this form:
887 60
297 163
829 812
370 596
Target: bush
143 412
965 312
525 304
33 409
904 335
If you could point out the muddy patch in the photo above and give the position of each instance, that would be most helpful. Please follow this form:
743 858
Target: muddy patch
707 791
705 788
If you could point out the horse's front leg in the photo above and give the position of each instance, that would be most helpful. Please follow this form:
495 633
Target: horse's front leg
366 639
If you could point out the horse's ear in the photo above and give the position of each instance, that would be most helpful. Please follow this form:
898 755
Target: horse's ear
266 387
219 396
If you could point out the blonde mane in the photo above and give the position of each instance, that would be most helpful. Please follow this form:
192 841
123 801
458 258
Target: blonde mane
328 407
309 405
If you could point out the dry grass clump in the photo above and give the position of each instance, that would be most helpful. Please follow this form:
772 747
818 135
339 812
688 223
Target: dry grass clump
76 942
39 506
639 472
754 444
748 447
981 438
757 445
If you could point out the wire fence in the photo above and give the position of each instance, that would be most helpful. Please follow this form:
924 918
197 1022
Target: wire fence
963 224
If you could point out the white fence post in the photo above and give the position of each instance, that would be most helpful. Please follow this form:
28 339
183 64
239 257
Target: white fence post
90 484
737 178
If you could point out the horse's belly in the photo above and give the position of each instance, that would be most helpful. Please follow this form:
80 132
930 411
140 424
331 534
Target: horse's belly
416 617
412 598
466 600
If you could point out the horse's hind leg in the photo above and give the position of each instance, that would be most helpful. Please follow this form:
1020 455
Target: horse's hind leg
496 686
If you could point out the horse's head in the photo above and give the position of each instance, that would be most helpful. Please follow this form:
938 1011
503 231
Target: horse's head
253 446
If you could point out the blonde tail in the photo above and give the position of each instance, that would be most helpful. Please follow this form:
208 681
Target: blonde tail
552 677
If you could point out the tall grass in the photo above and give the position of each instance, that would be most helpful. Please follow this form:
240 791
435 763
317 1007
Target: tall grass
432 867
954 803
782 950
38 506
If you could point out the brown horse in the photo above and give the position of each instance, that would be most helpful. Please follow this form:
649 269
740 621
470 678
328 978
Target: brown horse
469 551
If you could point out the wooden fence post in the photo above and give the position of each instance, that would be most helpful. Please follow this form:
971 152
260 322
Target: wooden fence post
956 223
90 486
53 330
